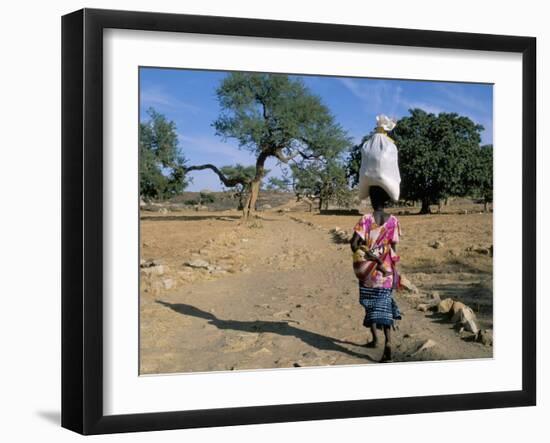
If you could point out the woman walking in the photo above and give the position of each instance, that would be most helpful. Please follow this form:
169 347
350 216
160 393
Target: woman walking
374 245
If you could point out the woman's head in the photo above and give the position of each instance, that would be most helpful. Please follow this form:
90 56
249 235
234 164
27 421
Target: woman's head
378 197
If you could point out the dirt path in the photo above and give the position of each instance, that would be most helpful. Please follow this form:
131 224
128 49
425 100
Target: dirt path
293 301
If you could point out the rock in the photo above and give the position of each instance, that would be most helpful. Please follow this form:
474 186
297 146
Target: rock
218 271
266 206
485 336
436 244
163 211
424 307
455 310
483 251
197 264
335 229
426 345
406 284
445 306
149 263
244 240
153 270
433 296
168 283
467 318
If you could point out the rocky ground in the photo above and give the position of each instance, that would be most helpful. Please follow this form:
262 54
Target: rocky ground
279 291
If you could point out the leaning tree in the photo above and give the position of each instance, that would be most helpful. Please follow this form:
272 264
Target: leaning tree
273 115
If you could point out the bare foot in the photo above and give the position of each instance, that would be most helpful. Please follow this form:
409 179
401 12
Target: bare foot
386 357
372 344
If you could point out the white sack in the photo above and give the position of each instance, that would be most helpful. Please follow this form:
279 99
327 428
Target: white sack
379 162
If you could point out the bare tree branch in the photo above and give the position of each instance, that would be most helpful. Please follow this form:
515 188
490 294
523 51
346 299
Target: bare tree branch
228 182
285 159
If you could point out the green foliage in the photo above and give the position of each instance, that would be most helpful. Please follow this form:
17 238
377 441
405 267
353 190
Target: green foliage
353 161
275 114
482 174
161 165
437 156
323 180
244 173
278 184
203 198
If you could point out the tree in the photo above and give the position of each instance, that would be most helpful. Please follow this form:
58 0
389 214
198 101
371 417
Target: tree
272 115
437 156
325 181
161 164
353 161
482 174
278 184
241 175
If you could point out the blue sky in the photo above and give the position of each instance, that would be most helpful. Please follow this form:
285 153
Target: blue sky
188 98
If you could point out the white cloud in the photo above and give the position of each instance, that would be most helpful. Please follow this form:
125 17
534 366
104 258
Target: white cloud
156 97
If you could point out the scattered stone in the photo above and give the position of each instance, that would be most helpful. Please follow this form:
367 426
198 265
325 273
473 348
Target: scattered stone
197 264
163 211
436 244
426 345
424 307
445 306
484 251
244 240
467 318
149 263
455 311
154 270
412 335
485 336
406 284
218 271
433 296
168 283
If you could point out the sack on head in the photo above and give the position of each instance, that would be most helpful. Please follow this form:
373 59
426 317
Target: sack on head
379 164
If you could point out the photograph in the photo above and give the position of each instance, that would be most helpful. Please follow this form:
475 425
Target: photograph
293 221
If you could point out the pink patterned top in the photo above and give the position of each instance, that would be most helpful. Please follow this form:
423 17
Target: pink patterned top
378 239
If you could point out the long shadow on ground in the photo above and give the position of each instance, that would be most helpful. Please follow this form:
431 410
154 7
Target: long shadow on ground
318 341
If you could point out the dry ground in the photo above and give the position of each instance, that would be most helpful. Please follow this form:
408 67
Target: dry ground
281 290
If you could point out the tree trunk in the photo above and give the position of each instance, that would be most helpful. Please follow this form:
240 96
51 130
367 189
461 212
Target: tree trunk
250 206
425 209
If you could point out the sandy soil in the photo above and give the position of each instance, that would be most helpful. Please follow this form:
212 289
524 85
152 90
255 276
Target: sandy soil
280 290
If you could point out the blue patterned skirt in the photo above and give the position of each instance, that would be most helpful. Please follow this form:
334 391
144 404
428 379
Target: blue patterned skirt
380 307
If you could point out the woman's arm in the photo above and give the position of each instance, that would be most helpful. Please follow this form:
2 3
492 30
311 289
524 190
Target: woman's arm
356 243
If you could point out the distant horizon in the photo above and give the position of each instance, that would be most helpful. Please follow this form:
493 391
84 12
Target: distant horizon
187 97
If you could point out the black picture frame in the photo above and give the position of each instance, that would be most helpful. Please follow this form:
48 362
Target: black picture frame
82 218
